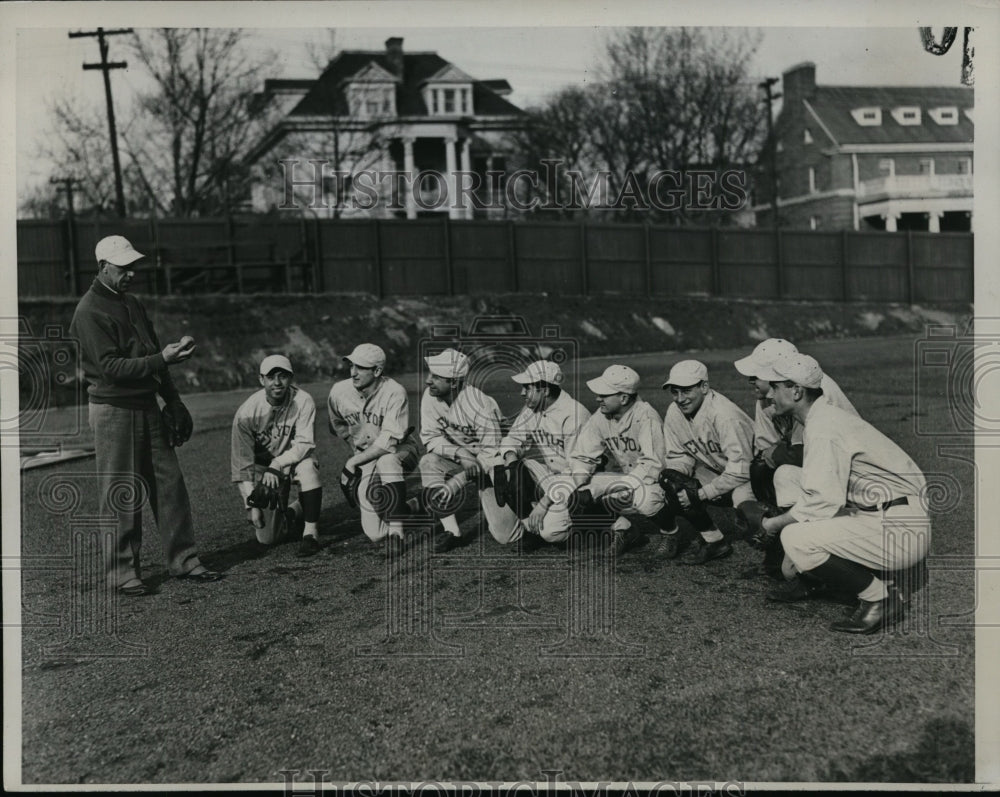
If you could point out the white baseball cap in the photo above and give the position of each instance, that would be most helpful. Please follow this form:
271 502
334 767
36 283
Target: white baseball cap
798 368
116 250
765 354
686 373
450 364
367 355
540 371
273 361
615 379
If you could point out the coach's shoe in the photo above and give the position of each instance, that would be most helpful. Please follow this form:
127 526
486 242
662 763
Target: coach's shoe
531 542
308 546
669 545
137 590
446 541
871 616
706 552
792 591
625 539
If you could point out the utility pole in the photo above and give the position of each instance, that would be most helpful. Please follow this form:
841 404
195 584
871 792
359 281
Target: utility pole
772 144
67 184
105 66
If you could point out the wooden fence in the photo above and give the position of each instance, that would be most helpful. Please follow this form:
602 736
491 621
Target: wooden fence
439 256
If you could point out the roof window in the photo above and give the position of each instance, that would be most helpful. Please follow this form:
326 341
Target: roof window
944 116
867 117
906 115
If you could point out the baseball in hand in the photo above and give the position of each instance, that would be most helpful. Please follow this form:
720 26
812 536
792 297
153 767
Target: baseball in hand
187 342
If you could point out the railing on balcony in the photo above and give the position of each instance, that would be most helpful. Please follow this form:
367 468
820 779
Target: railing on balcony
917 185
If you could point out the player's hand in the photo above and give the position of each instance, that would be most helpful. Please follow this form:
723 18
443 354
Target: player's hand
469 464
180 351
270 479
685 501
350 466
534 520
256 517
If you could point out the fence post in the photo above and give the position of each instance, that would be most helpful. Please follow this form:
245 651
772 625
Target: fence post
844 261
911 281
449 267
377 252
779 263
584 281
713 241
512 256
649 258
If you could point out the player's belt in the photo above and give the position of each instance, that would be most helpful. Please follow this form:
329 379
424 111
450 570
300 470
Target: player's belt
884 505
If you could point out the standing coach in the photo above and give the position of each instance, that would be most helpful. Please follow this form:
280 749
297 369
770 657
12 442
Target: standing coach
126 367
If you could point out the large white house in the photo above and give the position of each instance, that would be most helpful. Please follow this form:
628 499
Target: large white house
385 134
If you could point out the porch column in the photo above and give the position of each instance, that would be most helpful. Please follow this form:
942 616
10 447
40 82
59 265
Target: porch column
467 168
934 221
411 173
890 221
450 166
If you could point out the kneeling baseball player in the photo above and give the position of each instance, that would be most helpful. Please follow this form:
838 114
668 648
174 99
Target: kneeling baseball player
708 452
272 446
626 429
534 479
460 428
856 504
371 412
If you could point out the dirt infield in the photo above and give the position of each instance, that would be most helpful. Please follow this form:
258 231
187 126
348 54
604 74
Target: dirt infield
483 664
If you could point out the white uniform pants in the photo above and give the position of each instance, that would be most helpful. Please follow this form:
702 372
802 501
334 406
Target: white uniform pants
638 497
890 539
556 525
390 468
503 524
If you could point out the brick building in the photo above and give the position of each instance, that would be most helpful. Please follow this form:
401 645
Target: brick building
372 116
870 158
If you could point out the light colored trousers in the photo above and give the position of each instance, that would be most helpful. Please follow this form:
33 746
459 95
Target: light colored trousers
389 468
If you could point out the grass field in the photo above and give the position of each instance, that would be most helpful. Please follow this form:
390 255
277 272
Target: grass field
696 678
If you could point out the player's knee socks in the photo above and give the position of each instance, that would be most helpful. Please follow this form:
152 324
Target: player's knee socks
311 501
665 520
711 535
394 494
522 489
843 574
762 481
699 518
450 523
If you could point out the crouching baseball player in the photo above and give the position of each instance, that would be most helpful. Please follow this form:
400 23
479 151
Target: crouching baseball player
708 452
460 428
534 479
371 412
272 446
627 429
856 503
777 441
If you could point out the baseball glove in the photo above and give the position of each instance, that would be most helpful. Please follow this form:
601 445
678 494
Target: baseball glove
500 483
674 482
265 497
349 481
749 522
177 423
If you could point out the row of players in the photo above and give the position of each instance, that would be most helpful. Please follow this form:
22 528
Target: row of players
835 504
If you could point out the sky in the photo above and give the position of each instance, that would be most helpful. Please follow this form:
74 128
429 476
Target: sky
535 60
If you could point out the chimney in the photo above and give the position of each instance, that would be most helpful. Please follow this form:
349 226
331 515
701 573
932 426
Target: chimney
394 54
799 82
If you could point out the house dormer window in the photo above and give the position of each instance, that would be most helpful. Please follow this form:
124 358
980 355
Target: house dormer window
368 101
807 136
448 100
906 115
944 116
867 117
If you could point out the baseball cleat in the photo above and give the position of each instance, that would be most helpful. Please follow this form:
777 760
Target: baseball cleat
669 545
871 616
446 541
308 546
706 552
625 539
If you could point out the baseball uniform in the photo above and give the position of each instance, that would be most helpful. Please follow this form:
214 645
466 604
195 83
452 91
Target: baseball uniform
279 437
839 497
472 421
770 429
635 443
714 446
381 419
543 441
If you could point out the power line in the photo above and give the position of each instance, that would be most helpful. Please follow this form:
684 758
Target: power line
106 66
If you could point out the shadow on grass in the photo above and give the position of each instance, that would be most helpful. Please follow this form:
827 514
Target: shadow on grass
945 753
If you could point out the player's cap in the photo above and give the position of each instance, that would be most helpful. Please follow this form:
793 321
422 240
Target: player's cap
798 368
765 354
540 371
116 250
367 355
450 364
273 361
615 379
686 373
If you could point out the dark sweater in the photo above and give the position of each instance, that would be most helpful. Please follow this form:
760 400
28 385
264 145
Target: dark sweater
121 356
